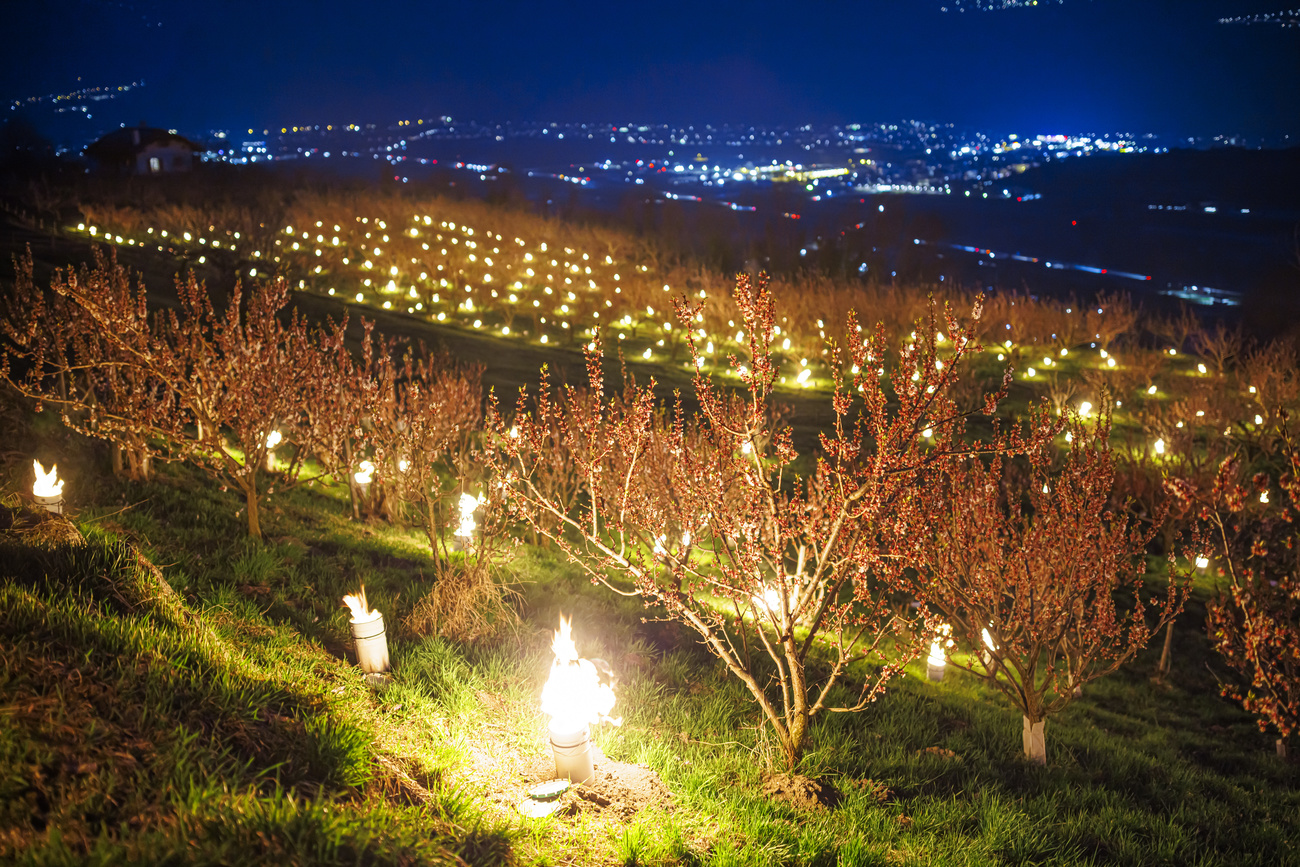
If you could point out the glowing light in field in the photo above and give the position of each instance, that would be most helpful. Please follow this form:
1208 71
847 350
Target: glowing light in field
467 504
574 695
46 484
365 473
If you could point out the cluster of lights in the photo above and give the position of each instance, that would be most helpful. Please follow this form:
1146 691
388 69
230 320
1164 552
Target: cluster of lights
450 273
1285 19
992 5
455 274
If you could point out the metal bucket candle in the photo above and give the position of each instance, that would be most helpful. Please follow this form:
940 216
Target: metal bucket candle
574 696
368 634
47 490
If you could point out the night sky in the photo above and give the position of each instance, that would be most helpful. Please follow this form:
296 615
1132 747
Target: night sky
1163 66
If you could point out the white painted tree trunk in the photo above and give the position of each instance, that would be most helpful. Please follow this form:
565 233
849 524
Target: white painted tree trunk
1035 741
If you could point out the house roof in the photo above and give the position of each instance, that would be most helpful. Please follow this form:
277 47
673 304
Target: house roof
125 143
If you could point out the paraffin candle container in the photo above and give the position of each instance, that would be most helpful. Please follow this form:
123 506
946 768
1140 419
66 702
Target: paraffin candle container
371 643
573 757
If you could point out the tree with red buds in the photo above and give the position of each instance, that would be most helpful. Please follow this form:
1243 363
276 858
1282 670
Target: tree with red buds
793 579
1255 621
219 388
1038 576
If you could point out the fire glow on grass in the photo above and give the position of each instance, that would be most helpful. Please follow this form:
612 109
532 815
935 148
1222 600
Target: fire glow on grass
575 696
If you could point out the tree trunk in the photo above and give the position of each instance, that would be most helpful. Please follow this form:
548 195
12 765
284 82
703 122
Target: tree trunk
1162 671
352 482
1281 748
115 455
1035 741
254 524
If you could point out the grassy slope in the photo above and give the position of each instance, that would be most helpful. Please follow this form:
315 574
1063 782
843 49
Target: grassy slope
136 724
265 741
246 720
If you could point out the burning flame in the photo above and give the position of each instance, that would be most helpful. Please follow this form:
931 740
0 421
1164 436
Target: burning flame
361 610
574 695
937 657
771 598
468 503
47 484
365 474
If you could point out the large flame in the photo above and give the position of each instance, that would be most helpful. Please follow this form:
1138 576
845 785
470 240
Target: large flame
361 611
937 656
468 503
574 695
366 474
47 484
773 596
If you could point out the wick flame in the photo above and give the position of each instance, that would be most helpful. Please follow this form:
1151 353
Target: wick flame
361 611
574 695
47 484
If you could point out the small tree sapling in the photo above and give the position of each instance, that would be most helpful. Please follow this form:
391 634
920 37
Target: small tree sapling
1041 579
706 515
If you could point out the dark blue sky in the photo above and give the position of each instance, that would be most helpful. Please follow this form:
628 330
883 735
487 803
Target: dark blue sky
1162 66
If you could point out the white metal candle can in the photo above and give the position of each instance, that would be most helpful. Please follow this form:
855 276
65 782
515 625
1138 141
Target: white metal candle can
51 504
371 643
573 757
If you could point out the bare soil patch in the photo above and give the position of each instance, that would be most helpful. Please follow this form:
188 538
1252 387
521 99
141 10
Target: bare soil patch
617 793
800 792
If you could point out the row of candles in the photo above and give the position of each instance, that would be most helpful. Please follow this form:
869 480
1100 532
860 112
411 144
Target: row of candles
575 695
578 270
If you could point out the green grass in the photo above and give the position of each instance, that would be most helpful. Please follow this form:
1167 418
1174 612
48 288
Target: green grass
225 723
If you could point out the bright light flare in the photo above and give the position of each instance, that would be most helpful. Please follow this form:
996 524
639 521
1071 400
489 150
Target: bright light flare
468 503
938 657
575 695
365 474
